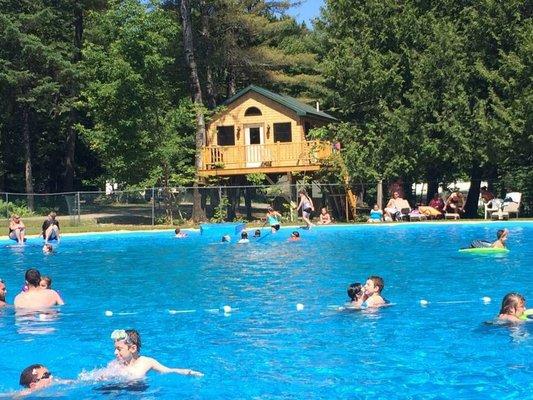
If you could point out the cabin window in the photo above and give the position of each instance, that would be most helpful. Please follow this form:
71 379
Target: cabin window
252 112
282 132
226 135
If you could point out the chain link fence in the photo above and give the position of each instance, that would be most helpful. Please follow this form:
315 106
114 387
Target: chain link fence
156 206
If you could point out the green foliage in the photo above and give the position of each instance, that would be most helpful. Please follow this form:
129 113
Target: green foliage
221 211
17 207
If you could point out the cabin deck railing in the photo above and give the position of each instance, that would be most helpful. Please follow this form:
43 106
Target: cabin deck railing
265 155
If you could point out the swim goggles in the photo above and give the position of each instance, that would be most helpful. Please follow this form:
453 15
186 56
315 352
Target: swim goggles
120 334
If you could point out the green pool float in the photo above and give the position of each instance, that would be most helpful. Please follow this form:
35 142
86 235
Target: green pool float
484 250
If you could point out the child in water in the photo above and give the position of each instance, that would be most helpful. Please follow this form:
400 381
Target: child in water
257 233
355 293
513 308
129 361
48 249
179 233
226 239
244 238
46 282
295 236
372 289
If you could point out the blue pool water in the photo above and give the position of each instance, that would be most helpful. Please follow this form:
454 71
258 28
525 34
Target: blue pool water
266 349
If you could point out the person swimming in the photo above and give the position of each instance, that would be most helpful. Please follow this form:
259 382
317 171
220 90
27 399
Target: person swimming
226 239
295 236
179 234
513 308
244 238
257 233
355 293
500 243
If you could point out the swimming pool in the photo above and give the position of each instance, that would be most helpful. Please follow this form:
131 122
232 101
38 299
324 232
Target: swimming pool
172 290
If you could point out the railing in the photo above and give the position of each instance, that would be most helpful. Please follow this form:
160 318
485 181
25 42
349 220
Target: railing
265 155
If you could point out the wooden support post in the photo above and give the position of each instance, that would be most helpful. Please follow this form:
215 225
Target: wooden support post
380 194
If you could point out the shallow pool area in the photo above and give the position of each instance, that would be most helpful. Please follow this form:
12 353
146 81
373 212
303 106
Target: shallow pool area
173 291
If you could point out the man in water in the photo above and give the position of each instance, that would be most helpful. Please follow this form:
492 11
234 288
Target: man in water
3 292
36 296
35 377
135 366
502 239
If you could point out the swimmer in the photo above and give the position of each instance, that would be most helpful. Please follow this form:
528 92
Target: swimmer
295 236
500 243
226 239
272 218
46 282
257 233
33 378
179 233
372 292
501 239
244 238
36 296
513 307
355 293
127 349
3 291
48 248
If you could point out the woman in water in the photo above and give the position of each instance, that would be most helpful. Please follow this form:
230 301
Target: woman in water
17 229
306 204
513 307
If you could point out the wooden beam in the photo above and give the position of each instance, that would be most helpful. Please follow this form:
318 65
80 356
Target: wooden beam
259 170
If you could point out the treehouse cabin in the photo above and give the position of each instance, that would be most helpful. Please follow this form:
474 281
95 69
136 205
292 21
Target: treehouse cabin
263 132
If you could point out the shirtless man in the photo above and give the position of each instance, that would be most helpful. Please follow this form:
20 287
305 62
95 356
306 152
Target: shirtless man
501 239
3 292
36 296
135 366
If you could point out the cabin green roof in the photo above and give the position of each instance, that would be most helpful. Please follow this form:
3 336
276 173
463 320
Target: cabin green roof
301 109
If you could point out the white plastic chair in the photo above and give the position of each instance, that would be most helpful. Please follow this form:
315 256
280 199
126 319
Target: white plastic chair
511 205
491 206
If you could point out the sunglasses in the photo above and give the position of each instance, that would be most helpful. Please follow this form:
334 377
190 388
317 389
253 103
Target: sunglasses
46 375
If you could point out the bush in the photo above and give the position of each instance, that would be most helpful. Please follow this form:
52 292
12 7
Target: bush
17 207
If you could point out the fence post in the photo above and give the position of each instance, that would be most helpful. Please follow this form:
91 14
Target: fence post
153 206
7 208
79 206
380 194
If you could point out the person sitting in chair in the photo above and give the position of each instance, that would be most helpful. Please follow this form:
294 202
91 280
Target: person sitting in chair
394 206
455 203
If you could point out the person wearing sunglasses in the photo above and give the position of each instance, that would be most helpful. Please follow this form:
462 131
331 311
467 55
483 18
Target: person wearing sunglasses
127 349
35 377
17 229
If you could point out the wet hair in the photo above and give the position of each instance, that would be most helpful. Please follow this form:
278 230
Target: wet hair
48 247
295 234
33 277
48 281
134 338
500 233
177 230
355 290
244 235
510 302
378 281
257 233
27 376
226 238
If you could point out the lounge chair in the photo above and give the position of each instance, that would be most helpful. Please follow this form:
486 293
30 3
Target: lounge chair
511 205
491 206
405 209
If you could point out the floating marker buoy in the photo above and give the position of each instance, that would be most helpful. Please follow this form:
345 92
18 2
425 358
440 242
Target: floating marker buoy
424 302
227 309
486 300
108 313
299 307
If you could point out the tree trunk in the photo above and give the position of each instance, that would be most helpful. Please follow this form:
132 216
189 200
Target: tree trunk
70 150
196 91
472 199
231 82
27 155
208 54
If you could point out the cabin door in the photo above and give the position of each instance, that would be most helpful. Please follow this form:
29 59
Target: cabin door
253 139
